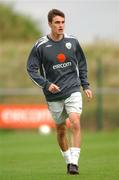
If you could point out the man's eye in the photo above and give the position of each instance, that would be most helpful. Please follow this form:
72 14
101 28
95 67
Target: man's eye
57 22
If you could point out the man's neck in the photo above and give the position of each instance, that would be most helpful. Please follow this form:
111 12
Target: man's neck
56 37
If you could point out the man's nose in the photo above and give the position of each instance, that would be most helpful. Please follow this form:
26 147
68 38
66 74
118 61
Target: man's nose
61 24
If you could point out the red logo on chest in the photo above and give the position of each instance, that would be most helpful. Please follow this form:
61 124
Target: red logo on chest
61 58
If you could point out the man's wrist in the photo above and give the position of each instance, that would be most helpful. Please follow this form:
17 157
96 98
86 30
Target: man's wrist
86 87
47 85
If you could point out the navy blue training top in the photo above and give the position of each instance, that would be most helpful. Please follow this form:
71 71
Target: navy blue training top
60 62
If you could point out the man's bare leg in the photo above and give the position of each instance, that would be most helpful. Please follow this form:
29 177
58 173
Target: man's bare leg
76 137
75 128
61 136
63 142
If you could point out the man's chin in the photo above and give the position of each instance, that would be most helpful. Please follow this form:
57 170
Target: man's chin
60 33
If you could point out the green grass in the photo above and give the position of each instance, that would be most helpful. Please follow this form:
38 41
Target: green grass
31 156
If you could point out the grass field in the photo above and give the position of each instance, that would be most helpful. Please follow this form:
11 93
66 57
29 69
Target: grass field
31 156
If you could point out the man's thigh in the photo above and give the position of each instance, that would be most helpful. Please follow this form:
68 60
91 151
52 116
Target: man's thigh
74 103
58 111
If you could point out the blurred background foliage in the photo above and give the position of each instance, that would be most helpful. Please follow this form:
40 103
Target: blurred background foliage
15 26
18 33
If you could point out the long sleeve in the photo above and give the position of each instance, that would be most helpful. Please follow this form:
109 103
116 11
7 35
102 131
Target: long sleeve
34 64
82 67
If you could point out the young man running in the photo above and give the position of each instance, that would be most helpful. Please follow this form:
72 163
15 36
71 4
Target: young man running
63 70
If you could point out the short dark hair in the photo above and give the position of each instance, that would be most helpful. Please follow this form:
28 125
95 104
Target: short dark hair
55 12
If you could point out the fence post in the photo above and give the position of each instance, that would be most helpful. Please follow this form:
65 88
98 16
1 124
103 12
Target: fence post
99 98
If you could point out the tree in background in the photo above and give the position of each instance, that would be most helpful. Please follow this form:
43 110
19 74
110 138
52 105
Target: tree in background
16 26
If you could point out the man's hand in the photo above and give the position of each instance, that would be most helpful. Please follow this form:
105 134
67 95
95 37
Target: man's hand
54 88
88 93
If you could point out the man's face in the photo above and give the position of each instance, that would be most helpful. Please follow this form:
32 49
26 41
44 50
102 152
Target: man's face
57 25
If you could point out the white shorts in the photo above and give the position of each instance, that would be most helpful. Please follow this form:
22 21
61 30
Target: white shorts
61 109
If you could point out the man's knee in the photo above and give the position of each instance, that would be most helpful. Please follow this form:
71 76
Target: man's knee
76 125
75 120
